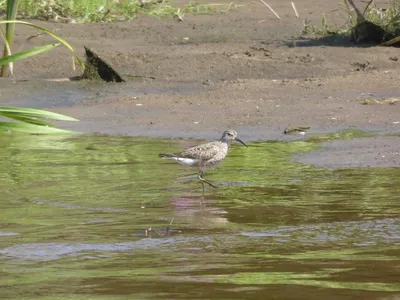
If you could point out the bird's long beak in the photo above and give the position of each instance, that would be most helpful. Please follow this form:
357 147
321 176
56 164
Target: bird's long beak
240 141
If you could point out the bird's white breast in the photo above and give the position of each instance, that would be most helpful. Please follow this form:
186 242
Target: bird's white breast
186 161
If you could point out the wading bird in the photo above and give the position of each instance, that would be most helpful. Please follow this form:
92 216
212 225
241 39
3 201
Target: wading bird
206 155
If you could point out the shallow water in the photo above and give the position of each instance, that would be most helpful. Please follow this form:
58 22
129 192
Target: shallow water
76 214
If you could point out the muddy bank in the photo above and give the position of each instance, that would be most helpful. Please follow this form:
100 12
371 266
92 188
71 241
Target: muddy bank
381 151
234 70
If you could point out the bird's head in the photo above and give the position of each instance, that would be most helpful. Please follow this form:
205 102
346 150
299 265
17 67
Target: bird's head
231 135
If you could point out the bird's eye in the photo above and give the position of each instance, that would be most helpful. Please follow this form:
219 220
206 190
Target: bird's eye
230 134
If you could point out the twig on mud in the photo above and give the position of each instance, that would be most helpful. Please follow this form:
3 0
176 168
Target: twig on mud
35 36
295 10
270 8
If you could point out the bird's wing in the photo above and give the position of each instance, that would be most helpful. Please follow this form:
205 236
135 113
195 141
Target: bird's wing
204 152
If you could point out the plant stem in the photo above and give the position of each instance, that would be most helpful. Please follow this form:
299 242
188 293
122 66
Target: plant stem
12 6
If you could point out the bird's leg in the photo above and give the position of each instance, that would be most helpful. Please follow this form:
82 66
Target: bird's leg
206 181
202 198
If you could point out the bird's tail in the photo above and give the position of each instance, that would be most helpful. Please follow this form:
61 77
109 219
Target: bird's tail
166 155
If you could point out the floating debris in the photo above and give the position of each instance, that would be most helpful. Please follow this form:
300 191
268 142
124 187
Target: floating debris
296 130
370 100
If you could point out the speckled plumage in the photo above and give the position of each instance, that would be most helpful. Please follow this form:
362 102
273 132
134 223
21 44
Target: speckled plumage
206 155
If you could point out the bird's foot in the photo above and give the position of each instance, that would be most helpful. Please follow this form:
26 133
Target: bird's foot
206 181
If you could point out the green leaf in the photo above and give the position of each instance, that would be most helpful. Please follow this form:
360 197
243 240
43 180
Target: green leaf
30 128
27 53
49 32
35 113
26 119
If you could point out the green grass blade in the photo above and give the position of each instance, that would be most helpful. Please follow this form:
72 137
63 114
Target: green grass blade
30 128
26 119
11 9
35 113
49 32
27 53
